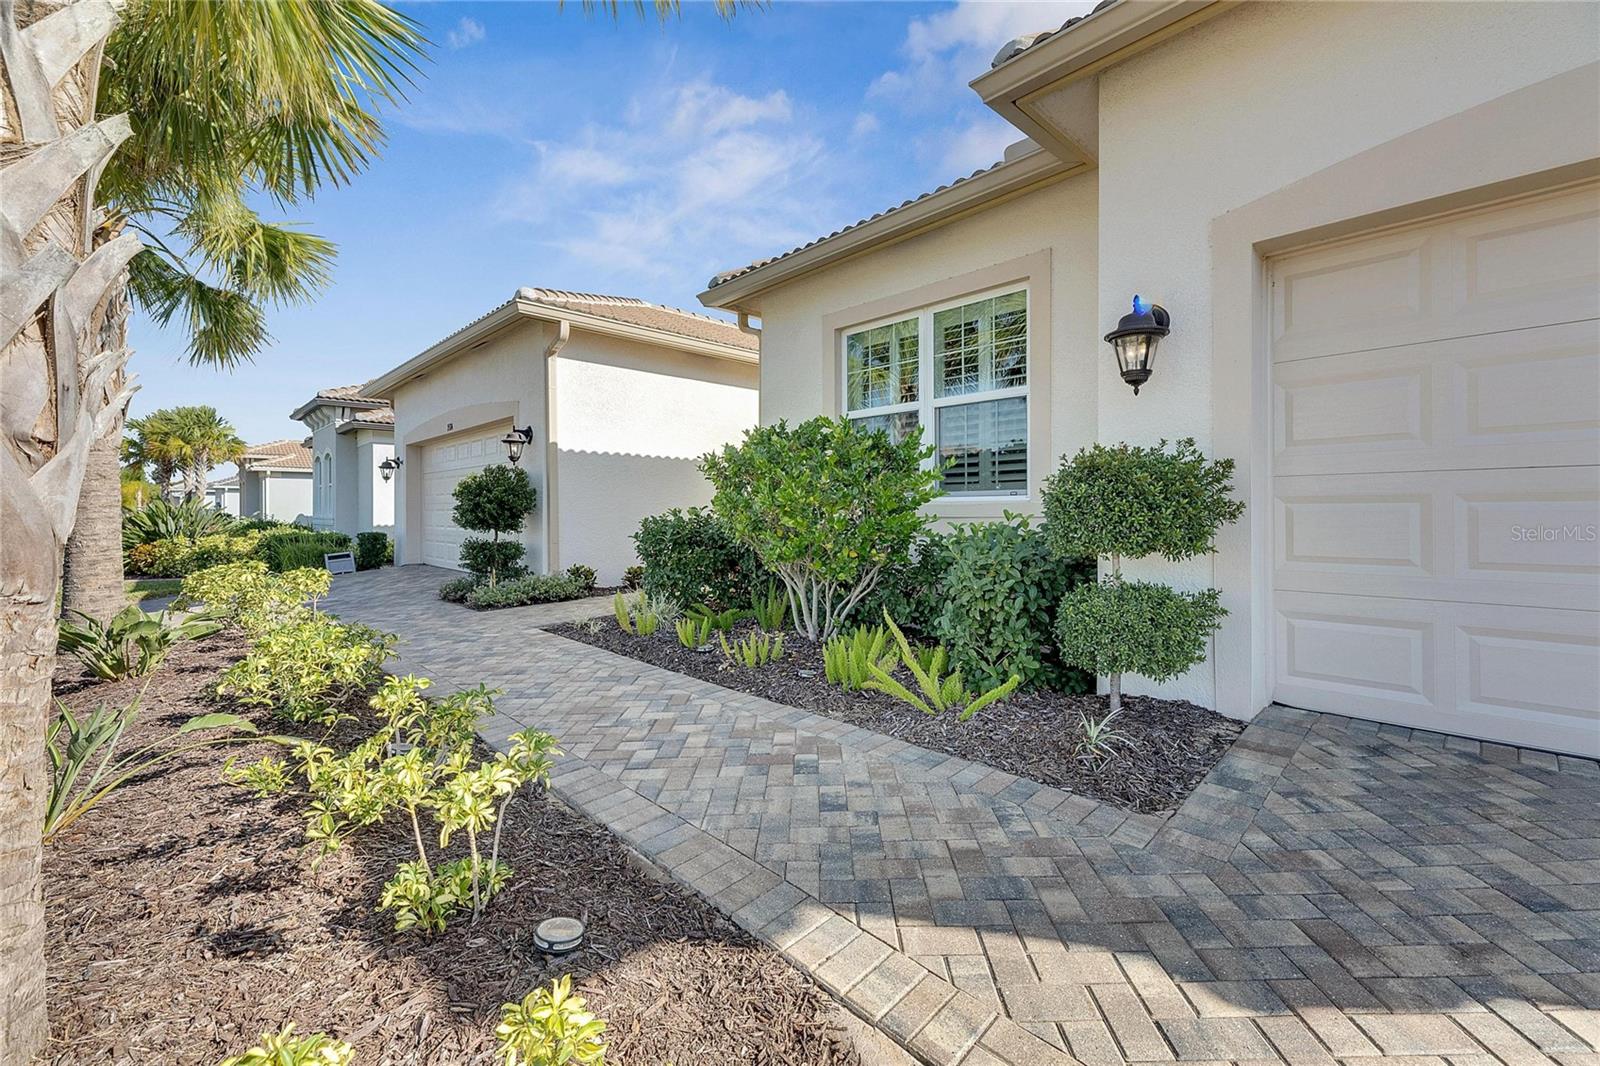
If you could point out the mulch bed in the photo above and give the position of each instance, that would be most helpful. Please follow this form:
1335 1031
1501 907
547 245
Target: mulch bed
1172 743
184 921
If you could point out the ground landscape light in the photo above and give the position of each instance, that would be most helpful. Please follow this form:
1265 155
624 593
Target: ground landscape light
1135 338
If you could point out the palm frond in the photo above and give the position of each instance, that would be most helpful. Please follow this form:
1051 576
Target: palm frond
225 326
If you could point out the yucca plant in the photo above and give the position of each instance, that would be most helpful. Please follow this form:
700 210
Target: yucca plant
159 520
754 649
845 659
1099 740
694 632
132 644
939 692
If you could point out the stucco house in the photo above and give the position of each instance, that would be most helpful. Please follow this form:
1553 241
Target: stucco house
1376 229
616 399
223 494
352 436
275 481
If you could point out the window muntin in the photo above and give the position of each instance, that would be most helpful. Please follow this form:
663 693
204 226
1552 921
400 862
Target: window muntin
961 371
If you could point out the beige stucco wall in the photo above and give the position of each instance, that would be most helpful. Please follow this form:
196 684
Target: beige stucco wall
503 378
631 422
1048 233
1245 105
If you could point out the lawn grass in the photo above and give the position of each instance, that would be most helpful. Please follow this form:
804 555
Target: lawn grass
140 589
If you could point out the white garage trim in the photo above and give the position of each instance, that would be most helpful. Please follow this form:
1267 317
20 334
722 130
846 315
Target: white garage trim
1435 454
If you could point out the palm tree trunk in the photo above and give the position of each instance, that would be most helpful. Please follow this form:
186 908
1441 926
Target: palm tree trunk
92 579
61 396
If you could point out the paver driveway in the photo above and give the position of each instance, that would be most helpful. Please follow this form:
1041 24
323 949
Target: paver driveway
1333 891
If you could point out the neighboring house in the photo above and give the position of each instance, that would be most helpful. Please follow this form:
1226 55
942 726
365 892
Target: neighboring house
619 397
223 494
275 481
1375 229
352 435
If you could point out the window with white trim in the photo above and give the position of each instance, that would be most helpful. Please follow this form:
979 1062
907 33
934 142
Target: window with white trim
961 370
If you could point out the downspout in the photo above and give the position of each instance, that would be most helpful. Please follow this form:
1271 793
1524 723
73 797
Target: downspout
549 526
746 327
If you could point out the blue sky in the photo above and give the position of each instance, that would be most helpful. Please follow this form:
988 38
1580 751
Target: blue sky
546 147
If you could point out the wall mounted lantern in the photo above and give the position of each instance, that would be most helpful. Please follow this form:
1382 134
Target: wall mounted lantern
388 467
1135 339
515 441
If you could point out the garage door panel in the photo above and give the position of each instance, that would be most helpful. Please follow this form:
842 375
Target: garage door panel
1435 514
1500 399
1526 537
1526 676
444 464
1523 265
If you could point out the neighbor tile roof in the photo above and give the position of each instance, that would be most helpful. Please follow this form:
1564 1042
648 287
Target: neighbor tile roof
378 416
369 408
278 455
1017 45
642 313
346 392
729 275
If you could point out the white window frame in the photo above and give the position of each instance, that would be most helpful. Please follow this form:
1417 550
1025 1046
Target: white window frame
926 405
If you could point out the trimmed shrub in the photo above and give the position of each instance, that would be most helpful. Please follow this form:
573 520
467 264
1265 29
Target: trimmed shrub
290 551
633 577
1118 627
692 557
826 506
373 550
1000 591
267 525
495 500
457 589
179 558
909 590
529 588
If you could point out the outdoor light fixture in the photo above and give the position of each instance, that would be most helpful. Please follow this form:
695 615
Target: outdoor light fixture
558 936
1135 339
389 466
515 441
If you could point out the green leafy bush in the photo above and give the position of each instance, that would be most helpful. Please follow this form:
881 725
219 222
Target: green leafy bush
529 588
826 506
373 550
550 1027
305 667
692 557
179 558
1000 591
495 500
132 644
258 600
909 589
269 525
938 692
160 520
490 561
585 576
1127 501
285 1049
292 551
456 590
633 577
1118 627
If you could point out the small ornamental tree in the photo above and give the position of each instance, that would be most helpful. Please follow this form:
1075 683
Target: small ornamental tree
826 507
1122 502
495 500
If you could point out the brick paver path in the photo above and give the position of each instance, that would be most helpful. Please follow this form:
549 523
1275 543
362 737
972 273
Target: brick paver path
1333 891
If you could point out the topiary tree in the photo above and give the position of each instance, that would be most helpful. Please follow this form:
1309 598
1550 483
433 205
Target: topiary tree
825 506
495 500
1128 502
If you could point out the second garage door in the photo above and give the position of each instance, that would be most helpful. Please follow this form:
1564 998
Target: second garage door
1436 494
444 463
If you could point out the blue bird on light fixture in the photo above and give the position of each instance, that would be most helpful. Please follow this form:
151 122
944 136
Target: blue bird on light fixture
1140 307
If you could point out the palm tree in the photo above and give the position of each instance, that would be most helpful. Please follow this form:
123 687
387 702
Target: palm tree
228 100
64 390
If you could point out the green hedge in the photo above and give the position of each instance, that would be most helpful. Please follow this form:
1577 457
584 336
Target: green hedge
690 557
373 550
530 588
284 552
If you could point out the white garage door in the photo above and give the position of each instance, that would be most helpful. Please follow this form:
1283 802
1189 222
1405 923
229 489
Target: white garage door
443 464
1436 494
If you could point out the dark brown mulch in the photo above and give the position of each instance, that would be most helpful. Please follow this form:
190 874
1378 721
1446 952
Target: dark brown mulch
1171 743
184 921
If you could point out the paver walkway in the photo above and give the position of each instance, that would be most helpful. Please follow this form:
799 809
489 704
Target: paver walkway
1333 891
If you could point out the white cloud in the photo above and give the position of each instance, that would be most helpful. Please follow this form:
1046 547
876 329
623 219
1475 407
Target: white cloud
865 125
693 178
979 145
467 31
